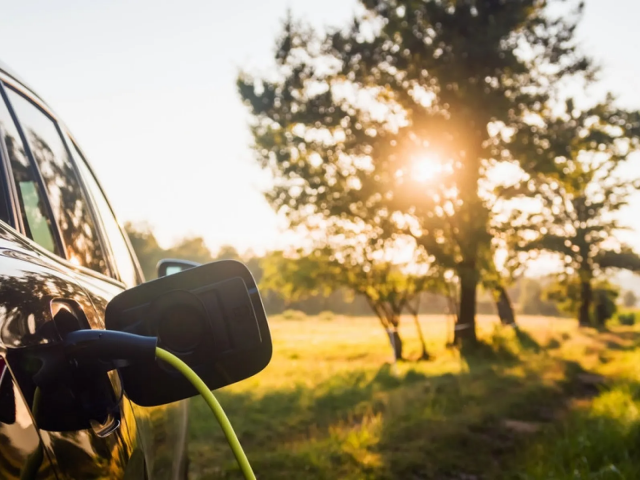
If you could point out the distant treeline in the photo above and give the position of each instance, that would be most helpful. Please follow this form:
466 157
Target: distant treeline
527 294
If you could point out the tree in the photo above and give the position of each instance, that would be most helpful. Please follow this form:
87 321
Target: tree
577 189
227 252
355 257
149 252
629 299
494 283
413 307
298 276
418 285
565 292
191 248
146 246
395 119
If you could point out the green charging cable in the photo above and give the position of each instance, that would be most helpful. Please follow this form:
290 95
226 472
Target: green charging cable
215 407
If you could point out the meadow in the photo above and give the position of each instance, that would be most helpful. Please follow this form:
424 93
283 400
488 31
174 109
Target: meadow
547 400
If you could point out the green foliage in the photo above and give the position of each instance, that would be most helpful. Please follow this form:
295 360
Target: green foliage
576 188
566 293
298 277
346 120
358 259
290 281
227 252
149 252
604 303
294 315
600 441
146 246
627 318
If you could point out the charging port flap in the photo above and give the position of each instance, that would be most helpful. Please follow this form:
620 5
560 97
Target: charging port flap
211 317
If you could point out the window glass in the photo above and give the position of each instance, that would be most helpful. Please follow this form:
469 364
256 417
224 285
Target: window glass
37 224
63 188
119 247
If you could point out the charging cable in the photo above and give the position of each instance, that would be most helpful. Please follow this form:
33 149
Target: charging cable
215 407
114 345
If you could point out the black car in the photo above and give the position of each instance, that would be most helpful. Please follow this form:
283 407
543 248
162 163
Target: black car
63 257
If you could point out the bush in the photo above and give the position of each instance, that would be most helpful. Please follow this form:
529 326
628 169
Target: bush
326 316
295 315
628 318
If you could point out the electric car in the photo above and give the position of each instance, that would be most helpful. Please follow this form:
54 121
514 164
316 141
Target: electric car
63 257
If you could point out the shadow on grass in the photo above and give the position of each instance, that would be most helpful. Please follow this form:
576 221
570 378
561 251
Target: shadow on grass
526 341
487 418
383 425
600 440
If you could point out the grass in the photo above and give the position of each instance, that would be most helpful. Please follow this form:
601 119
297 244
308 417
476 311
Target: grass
545 401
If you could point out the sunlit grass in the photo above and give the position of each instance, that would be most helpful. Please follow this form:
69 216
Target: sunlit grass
330 406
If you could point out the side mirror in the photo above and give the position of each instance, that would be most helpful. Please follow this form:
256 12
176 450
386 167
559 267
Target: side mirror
170 266
211 316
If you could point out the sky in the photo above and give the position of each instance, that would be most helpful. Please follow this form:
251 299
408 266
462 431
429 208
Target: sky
148 90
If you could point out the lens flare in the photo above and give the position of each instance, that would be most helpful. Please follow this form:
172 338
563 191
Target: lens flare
426 169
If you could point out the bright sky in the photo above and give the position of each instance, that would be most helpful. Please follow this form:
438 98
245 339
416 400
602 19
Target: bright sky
148 89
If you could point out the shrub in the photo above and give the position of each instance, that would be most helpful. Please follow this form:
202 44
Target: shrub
295 315
326 316
628 318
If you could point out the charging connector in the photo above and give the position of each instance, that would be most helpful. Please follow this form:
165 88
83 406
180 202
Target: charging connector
109 346
115 349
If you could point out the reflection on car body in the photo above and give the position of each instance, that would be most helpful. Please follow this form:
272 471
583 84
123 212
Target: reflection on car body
63 257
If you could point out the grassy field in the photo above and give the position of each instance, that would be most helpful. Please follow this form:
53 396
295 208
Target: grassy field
546 401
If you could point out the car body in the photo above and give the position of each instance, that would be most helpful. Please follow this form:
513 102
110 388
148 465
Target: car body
64 256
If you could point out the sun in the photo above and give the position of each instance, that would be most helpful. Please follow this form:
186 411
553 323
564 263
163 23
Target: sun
426 168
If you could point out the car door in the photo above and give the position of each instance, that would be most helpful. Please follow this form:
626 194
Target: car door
100 257
162 430
42 281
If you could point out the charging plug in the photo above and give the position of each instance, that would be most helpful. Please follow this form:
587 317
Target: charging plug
119 348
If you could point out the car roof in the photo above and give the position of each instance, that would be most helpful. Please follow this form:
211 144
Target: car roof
4 68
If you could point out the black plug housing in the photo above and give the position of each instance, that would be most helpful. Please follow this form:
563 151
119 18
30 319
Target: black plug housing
67 384
112 348
211 317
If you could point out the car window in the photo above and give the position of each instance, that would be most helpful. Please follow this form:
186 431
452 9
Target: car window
122 254
38 226
63 188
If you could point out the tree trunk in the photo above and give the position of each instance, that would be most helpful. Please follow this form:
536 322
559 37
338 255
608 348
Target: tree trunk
396 343
453 314
586 297
425 354
414 309
505 309
465 329
601 310
390 326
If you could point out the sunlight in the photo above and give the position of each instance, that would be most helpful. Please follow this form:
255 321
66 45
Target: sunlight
426 168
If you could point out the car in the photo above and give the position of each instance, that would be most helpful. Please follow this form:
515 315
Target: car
63 258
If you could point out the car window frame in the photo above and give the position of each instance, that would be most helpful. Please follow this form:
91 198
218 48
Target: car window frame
11 215
113 276
19 223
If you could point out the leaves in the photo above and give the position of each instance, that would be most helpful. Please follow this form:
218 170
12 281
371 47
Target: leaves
345 117
577 186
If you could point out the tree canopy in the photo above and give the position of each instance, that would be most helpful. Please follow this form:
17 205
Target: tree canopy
395 120
574 189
